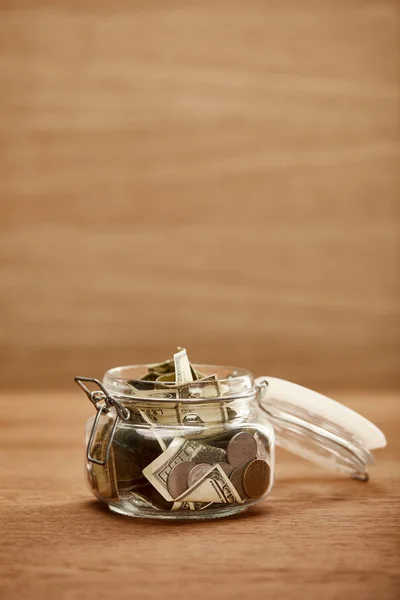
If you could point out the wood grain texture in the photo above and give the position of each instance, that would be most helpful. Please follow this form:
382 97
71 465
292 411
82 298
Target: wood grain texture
220 177
318 532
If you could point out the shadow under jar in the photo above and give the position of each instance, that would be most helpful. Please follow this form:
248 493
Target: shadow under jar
206 449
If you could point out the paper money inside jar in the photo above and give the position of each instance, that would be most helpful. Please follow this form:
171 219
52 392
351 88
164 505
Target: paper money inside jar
175 440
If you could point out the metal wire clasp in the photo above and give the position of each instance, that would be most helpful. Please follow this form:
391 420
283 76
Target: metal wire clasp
103 402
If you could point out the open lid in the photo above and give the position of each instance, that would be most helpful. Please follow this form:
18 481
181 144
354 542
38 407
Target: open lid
318 428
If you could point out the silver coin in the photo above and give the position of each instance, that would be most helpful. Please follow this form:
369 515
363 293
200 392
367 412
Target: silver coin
197 473
242 449
236 479
227 468
177 481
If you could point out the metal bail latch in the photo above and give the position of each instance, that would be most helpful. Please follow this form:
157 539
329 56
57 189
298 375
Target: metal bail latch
103 402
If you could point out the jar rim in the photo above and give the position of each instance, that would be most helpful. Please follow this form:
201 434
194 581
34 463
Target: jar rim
234 382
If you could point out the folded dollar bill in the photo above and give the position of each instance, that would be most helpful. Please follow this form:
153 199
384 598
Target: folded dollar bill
214 486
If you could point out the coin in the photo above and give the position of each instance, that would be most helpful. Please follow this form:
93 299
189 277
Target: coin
177 481
241 449
209 454
236 479
226 467
256 478
197 473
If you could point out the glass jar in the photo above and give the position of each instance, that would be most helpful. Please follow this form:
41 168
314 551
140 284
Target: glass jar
204 450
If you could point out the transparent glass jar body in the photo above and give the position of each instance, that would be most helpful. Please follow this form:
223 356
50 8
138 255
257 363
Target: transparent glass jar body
141 452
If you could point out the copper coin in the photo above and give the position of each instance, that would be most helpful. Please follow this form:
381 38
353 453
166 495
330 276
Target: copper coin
242 448
256 478
197 473
177 481
236 479
227 468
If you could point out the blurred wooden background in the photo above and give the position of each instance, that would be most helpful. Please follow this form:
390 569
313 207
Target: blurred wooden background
223 176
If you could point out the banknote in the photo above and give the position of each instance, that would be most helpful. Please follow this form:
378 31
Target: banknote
183 371
207 387
166 378
151 376
178 451
166 387
137 501
157 472
190 505
165 371
152 389
157 369
213 487
201 413
181 413
148 497
184 412
167 366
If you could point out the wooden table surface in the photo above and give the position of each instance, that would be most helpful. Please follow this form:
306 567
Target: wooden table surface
319 535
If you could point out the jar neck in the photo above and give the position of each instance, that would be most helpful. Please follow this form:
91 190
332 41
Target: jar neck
219 382
224 394
189 413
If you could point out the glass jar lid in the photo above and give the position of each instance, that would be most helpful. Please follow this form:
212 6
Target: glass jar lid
318 428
